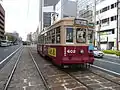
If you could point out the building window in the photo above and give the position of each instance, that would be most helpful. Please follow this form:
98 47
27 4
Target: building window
113 18
104 9
115 4
105 20
112 6
97 22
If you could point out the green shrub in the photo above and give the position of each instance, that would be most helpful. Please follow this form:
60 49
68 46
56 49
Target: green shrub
118 53
110 51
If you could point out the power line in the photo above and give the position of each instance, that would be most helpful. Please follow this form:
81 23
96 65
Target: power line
28 8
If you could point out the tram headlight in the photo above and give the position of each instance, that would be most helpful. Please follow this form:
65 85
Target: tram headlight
82 51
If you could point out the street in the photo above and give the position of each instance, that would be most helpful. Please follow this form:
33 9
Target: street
5 51
108 62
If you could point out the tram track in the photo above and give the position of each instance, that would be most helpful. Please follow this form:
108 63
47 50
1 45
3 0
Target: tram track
12 72
72 76
109 79
90 72
40 72
89 79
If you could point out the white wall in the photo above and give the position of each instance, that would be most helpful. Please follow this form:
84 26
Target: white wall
58 9
111 24
69 9
65 7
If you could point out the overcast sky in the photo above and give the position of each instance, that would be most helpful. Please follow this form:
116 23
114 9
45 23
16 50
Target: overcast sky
21 16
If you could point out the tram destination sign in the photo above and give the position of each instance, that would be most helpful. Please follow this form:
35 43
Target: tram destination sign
80 22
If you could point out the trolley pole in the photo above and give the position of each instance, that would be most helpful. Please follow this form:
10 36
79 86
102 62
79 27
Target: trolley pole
117 38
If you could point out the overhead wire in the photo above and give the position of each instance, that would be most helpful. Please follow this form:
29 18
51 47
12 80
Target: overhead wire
28 8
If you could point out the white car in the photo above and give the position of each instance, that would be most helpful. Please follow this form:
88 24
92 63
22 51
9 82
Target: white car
3 43
98 53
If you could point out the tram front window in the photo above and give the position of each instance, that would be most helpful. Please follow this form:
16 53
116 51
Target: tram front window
80 35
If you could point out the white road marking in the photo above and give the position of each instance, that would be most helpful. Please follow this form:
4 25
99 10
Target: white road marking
106 70
5 50
29 84
9 56
24 87
25 80
107 61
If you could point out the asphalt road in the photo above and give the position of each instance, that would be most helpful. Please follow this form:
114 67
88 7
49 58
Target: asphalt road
5 51
111 63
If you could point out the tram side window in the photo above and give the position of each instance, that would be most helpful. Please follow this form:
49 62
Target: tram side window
69 34
53 39
58 35
39 39
80 35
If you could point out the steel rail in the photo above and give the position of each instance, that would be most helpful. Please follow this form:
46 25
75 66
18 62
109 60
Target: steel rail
72 76
12 72
104 77
40 72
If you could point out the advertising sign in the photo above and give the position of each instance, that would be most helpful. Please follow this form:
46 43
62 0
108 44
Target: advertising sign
80 22
52 52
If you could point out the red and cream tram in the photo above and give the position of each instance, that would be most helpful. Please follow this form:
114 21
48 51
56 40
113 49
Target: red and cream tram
67 42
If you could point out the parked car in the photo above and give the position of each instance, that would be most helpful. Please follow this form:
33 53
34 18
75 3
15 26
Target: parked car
98 53
4 43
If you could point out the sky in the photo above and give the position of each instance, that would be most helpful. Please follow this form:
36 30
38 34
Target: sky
21 16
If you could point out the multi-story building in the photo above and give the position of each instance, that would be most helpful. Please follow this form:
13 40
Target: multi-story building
46 19
2 22
106 20
65 8
35 36
29 37
85 9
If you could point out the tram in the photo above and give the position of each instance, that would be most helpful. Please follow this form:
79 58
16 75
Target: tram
68 42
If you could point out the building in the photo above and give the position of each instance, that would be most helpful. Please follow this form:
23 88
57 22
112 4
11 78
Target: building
50 2
2 22
46 19
64 8
29 37
85 9
106 20
45 4
35 36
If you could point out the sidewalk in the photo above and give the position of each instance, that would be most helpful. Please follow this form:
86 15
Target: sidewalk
26 76
113 55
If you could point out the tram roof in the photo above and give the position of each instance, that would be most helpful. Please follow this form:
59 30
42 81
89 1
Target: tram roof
63 19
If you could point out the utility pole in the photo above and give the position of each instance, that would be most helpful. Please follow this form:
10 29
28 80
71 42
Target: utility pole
117 39
99 27
94 19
